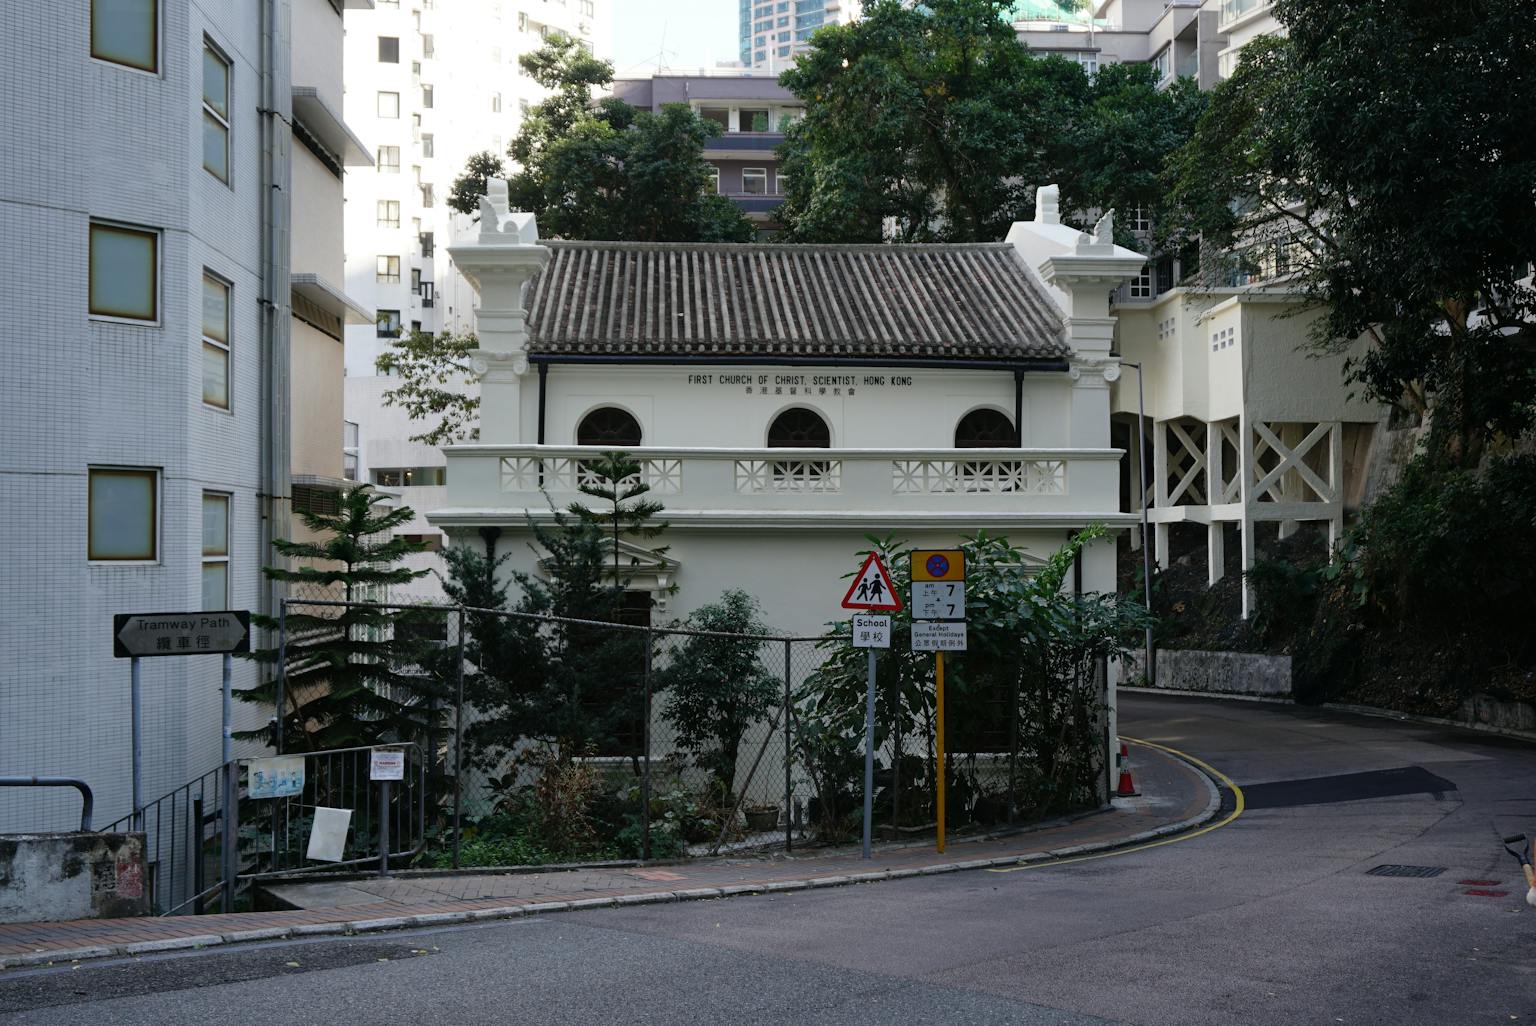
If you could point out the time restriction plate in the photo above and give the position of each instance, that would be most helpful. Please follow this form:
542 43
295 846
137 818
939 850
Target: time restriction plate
938 600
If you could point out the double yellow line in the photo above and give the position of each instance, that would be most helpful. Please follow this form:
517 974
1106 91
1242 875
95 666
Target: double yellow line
1237 794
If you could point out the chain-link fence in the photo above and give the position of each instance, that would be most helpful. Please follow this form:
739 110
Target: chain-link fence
550 740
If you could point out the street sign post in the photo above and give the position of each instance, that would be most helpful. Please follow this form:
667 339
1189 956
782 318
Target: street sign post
872 589
137 636
938 626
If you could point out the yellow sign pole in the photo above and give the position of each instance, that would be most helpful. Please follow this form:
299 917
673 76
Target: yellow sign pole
938 746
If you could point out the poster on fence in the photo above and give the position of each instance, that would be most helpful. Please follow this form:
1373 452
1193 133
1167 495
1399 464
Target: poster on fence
386 764
280 777
328 835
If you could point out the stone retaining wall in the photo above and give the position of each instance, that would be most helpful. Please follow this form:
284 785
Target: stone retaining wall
47 878
1227 673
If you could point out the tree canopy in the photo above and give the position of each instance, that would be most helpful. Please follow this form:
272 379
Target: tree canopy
1381 154
602 169
935 118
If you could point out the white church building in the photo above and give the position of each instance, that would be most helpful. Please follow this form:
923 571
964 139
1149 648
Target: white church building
787 401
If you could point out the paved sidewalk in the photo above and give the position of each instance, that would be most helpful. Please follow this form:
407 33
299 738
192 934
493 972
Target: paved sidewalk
1174 798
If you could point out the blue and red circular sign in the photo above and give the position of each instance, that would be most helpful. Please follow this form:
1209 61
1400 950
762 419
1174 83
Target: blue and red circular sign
938 564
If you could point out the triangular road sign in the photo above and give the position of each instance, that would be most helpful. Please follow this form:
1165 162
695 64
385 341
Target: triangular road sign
872 588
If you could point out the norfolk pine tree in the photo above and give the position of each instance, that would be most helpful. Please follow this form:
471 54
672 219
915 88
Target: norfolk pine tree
344 683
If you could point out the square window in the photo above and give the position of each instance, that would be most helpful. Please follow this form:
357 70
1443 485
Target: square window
754 181
123 515
781 183
426 142
495 103
714 179
387 323
215 113
389 213
389 49
389 159
215 342
124 272
426 96
389 270
389 105
126 32
215 553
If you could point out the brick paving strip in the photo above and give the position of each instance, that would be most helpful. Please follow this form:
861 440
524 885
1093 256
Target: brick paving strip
1176 798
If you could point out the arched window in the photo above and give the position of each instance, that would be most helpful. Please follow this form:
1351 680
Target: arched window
984 429
799 428
608 427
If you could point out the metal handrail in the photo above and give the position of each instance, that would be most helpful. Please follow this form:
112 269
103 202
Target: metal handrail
87 800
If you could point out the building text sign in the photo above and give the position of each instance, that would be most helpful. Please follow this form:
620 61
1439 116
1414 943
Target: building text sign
172 634
829 385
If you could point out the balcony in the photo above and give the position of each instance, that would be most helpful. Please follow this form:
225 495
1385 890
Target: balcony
809 487
742 145
755 202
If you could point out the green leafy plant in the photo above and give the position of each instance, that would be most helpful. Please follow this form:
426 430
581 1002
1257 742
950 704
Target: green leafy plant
717 686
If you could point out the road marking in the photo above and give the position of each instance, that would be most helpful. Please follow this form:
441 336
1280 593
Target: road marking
1237 795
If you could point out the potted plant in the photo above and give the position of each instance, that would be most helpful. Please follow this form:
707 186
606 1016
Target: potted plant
762 818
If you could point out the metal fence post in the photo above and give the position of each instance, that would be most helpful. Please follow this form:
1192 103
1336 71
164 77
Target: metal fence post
458 742
228 847
196 848
789 756
282 674
645 773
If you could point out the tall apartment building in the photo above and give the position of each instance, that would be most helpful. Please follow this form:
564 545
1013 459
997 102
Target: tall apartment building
429 83
773 32
752 110
173 204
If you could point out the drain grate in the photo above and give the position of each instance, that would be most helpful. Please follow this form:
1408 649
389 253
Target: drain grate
1419 871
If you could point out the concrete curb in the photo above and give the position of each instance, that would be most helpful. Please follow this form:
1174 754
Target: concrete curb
440 919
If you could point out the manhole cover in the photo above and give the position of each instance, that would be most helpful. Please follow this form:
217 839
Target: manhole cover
1420 871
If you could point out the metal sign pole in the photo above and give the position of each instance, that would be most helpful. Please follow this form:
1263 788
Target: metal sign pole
938 741
869 753
384 828
137 727
229 707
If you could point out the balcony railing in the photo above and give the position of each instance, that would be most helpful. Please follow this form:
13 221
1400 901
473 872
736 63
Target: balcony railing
965 481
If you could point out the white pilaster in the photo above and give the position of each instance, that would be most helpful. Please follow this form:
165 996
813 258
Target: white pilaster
1215 479
498 263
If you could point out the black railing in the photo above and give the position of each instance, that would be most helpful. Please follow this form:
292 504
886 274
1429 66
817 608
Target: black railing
87 800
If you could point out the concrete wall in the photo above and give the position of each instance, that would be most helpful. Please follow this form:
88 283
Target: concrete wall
1230 673
317 402
708 405
46 878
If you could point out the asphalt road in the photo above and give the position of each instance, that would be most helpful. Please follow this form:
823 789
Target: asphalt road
1270 919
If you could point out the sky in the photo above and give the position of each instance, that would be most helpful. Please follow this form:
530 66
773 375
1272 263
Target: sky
678 33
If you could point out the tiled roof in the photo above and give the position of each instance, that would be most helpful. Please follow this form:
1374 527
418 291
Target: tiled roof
965 301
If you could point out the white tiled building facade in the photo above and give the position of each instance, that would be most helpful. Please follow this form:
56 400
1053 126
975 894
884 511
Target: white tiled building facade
148 440
429 83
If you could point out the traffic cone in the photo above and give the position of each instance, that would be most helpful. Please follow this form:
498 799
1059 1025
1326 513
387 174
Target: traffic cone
1127 787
